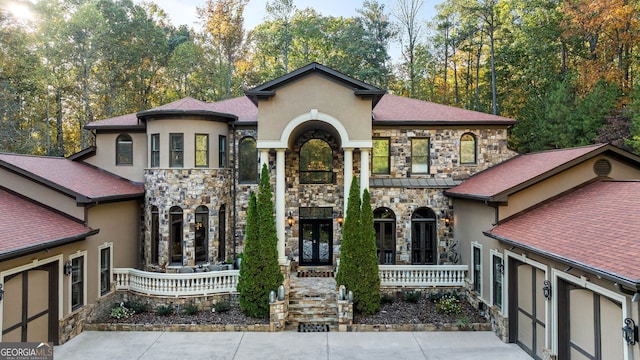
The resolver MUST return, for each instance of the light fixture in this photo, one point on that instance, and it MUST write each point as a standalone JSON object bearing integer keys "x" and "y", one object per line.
{"x": 290, "y": 220}
{"x": 340, "y": 220}
{"x": 630, "y": 331}
{"x": 546, "y": 289}
{"x": 1, "y": 293}
{"x": 68, "y": 268}
{"x": 447, "y": 221}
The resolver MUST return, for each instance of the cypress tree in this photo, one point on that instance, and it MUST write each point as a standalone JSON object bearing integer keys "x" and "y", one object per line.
{"x": 367, "y": 299}
{"x": 348, "y": 274}
{"x": 260, "y": 272}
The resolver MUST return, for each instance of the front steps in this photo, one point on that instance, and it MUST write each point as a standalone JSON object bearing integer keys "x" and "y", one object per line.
{"x": 312, "y": 302}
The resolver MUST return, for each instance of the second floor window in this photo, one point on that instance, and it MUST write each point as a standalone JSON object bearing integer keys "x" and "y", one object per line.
{"x": 202, "y": 150}
{"x": 155, "y": 150}
{"x": 176, "y": 154}
{"x": 468, "y": 152}
{"x": 248, "y": 160}
{"x": 316, "y": 162}
{"x": 124, "y": 150}
{"x": 420, "y": 156}
{"x": 380, "y": 156}
{"x": 222, "y": 151}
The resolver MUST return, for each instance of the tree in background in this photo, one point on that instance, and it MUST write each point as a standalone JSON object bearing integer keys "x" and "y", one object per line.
{"x": 358, "y": 270}
{"x": 262, "y": 272}
{"x": 411, "y": 30}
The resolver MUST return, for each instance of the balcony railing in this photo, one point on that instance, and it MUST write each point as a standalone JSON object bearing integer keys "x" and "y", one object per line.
{"x": 418, "y": 276}
{"x": 204, "y": 283}
{"x": 215, "y": 282}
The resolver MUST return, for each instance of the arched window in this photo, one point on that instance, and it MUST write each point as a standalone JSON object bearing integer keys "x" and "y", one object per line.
{"x": 222, "y": 232}
{"x": 468, "y": 149}
{"x": 175, "y": 235}
{"x": 423, "y": 237}
{"x": 202, "y": 234}
{"x": 248, "y": 160}
{"x": 124, "y": 150}
{"x": 155, "y": 234}
{"x": 384, "y": 223}
{"x": 316, "y": 162}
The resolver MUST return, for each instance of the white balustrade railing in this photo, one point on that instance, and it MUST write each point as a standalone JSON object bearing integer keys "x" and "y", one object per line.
{"x": 162, "y": 284}
{"x": 422, "y": 275}
{"x": 215, "y": 282}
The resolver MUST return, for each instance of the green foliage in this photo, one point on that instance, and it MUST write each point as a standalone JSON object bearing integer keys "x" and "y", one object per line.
{"x": 412, "y": 296}
{"x": 164, "y": 310}
{"x": 358, "y": 270}
{"x": 387, "y": 298}
{"x": 221, "y": 306}
{"x": 260, "y": 272}
{"x": 191, "y": 309}
{"x": 120, "y": 311}
{"x": 137, "y": 307}
{"x": 448, "y": 304}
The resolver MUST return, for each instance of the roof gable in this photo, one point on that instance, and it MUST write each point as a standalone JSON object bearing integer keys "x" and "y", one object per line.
{"x": 596, "y": 227}
{"x": 360, "y": 88}
{"x": 502, "y": 180}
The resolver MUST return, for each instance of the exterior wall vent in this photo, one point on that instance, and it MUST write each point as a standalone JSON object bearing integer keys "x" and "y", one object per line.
{"x": 602, "y": 167}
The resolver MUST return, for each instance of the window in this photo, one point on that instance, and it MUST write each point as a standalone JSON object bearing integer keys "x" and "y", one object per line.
{"x": 420, "y": 156}
{"x": 202, "y": 234}
{"x": 155, "y": 150}
{"x": 498, "y": 270}
{"x": 384, "y": 223}
{"x": 423, "y": 237}
{"x": 468, "y": 152}
{"x": 77, "y": 282}
{"x": 175, "y": 235}
{"x": 477, "y": 268}
{"x": 124, "y": 150}
{"x": 202, "y": 150}
{"x": 222, "y": 232}
{"x": 380, "y": 157}
{"x": 316, "y": 162}
{"x": 155, "y": 234}
{"x": 105, "y": 269}
{"x": 248, "y": 161}
{"x": 222, "y": 151}
{"x": 176, "y": 155}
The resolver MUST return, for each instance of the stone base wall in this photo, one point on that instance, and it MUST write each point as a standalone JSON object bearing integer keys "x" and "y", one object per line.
{"x": 499, "y": 322}
{"x": 76, "y": 322}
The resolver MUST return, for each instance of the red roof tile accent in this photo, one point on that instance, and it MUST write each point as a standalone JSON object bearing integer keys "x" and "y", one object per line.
{"x": 399, "y": 108}
{"x": 77, "y": 178}
{"x": 24, "y": 225}
{"x": 517, "y": 171}
{"x": 597, "y": 225}
{"x": 242, "y": 107}
{"x": 118, "y": 121}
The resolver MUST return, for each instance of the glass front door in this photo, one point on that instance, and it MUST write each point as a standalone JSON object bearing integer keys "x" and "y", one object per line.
{"x": 316, "y": 241}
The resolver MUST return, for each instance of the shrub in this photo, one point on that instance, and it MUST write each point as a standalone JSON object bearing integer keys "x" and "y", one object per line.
{"x": 191, "y": 309}
{"x": 221, "y": 306}
{"x": 164, "y": 310}
{"x": 387, "y": 298}
{"x": 448, "y": 305}
{"x": 412, "y": 296}
{"x": 435, "y": 296}
{"x": 121, "y": 312}
{"x": 137, "y": 307}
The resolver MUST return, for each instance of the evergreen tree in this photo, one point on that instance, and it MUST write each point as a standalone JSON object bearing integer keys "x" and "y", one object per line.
{"x": 260, "y": 272}
{"x": 368, "y": 288}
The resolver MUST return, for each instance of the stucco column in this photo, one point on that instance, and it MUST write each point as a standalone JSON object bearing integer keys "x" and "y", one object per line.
{"x": 348, "y": 176}
{"x": 280, "y": 211}
{"x": 364, "y": 170}
{"x": 264, "y": 159}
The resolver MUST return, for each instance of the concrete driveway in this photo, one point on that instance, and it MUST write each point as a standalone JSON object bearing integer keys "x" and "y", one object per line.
{"x": 113, "y": 345}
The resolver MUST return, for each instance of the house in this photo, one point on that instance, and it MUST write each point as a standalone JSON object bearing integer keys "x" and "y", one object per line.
{"x": 552, "y": 239}
{"x": 167, "y": 188}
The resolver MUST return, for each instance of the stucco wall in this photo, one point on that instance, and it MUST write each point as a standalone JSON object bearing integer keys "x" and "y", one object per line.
{"x": 105, "y": 156}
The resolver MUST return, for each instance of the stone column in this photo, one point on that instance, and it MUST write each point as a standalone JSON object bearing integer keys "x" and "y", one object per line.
{"x": 280, "y": 206}
{"x": 364, "y": 169}
{"x": 348, "y": 176}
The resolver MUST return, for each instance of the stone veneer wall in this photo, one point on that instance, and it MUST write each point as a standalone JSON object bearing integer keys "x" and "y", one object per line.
{"x": 187, "y": 189}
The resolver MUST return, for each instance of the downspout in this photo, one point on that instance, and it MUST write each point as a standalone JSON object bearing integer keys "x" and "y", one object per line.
{"x": 233, "y": 187}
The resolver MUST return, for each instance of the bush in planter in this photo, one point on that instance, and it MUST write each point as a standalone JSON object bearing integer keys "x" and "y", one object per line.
{"x": 137, "y": 307}
{"x": 221, "y": 306}
{"x": 164, "y": 310}
{"x": 191, "y": 309}
{"x": 448, "y": 304}
{"x": 121, "y": 312}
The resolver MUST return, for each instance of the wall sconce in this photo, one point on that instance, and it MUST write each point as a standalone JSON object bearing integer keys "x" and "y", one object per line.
{"x": 290, "y": 220}
{"x": 68, "y": 268}
{"x": 630, "y": 331}
{"x": 1, "y": 293}
{"x": 546, "y": 289}
{"x": 340, "y": 220}
{"x": 447, "y": 222}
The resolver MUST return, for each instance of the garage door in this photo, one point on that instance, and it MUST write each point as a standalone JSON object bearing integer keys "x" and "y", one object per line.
{"x": 29, "y": 310}
{"x": 527, "y": 308}
{"x": 589, "y": 325}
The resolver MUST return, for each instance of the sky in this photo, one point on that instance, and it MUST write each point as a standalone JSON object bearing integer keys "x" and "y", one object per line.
{"x": 184, "y": 11}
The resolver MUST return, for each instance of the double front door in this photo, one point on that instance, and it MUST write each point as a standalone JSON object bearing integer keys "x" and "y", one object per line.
{"x": 316, "y": 241}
